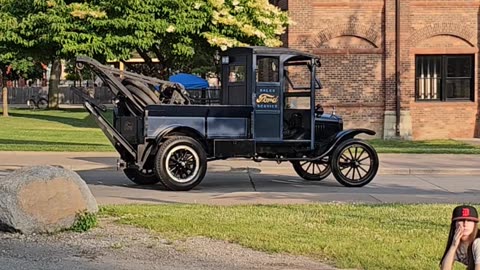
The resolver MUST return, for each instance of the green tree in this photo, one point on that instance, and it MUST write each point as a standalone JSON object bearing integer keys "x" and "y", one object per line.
{"x": 49, "y": 31}
{"x": 181, "y": 34}
{"x": 12, "y": 67}
{"x": 184, "y": 34}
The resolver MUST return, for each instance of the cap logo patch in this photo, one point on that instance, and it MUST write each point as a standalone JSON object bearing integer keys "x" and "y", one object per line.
{"x": 465, "y": 212}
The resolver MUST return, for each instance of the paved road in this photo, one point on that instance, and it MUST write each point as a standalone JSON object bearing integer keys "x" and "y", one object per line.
{"x": 252, "y": 187}
{"x": 402, "y": 178}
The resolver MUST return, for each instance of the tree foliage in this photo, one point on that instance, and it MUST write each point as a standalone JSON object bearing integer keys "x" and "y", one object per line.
{"x": 181, "y": 34}
{"x": 48, "y": 31}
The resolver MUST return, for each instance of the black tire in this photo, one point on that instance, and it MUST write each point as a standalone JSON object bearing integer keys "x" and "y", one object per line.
{"x": 42, "y": 104}
{"x": 140, "y": 96}
{"x": 31, "y": 104}
{"x": 181, "y": 163}
{"x": 141, "y": 178}
{"x": 312, "y": 171}
{"x": 150, "y": 93}
{"x": 346, "y": 163}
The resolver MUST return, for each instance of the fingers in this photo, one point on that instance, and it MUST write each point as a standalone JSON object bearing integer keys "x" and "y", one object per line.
{"x": 458, "y": 231}
{"x": 458, "y": 235}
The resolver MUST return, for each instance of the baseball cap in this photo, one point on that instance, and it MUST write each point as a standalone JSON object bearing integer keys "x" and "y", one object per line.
{"x": 465, "y": 212}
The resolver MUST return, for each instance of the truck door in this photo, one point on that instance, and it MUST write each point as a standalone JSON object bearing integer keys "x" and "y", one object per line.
{"x": 267, "y": 100}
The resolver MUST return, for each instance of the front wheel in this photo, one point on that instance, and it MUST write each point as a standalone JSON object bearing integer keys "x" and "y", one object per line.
{"x": 42, "y": 104}
{"x": 181, "y": 163}
{"x": 354, "y": 163}
{"x": 312, "y": 170}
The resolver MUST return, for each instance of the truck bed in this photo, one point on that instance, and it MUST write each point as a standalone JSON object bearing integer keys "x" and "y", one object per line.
{"x": 217, "y": 121}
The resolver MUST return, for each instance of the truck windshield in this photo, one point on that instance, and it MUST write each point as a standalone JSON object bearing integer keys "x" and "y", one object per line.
{"x": 297, "y": 75}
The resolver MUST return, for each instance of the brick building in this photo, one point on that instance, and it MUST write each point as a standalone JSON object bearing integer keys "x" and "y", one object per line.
{"x": 437, "y": 52}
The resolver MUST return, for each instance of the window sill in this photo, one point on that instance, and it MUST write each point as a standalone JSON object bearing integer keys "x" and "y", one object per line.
{"x": 446, "y": 103}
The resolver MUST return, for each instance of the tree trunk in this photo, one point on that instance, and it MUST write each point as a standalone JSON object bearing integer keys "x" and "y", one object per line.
{"x": 54, "y": 81}
{"x": 5, "y": 101}
{"x": 3, "y": 85}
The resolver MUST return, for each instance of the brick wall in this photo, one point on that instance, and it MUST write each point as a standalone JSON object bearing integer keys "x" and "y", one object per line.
{"x": 438, "y": 27}
{"x": 356, "y": 41}
{"x": 348, "y": 37}
{"x": 443, "y": 120}
{"x": 353, "y": 83}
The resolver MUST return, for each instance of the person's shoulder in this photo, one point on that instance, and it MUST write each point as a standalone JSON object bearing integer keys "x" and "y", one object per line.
{"x": 476, "y": 243}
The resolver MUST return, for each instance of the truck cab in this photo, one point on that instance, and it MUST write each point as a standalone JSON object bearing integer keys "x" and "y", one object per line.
{"x": 281, "y": 85}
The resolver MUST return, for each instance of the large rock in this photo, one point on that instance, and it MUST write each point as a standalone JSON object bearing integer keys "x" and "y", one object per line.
{"x": 43, "y": 199}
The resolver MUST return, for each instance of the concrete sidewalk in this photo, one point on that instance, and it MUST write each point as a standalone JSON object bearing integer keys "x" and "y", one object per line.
{"x": 398, "y": 164}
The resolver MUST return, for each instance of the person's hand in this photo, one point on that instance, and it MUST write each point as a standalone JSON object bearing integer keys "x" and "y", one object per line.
{"x": 458, "y": 235}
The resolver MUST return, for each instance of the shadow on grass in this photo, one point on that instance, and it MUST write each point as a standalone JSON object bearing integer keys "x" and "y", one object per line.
{"x": 71, "y": 117}
{"x": 47, "y": 143}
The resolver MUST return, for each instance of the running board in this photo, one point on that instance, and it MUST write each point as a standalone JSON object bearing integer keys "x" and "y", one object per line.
{"x": 112, "y": 134}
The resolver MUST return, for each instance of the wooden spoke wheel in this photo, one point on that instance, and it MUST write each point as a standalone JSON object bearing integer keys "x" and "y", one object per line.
{"x": 354, "y": 163}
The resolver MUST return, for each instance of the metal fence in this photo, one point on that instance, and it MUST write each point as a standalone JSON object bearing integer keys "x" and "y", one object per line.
{"x": 101, "y": 94}
{"x": 205, "y": 96}
{"x": 65, "y": 96}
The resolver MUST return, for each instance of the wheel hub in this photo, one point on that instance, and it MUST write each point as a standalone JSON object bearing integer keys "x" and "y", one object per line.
{"x": 182, "y": 163}
{"x": 355, "y": 164}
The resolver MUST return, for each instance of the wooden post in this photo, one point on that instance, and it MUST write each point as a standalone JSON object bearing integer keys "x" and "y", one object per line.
{"x": 5, "y": 101}
{"x": 122, "y": 68}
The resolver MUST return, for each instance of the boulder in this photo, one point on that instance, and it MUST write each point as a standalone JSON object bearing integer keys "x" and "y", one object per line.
{"x": 43, "y": 199}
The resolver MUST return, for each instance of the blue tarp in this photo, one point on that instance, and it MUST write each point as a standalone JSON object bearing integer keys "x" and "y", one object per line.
{"x": 189, "y": 81}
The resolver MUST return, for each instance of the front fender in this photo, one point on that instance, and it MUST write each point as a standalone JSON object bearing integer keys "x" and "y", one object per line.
{"x": 343, "y": 136}
{"x": 351, "y": 133}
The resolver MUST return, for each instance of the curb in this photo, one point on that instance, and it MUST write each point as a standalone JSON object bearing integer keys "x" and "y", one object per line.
{"x": 279, "y": 170}
{"x": 427, "y": 171}
{"x": 381, "y": 171}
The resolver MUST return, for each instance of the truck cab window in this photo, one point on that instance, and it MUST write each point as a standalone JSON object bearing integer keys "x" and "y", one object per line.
{"x": 237, "y": 74}
{"x": 267, "y": 69}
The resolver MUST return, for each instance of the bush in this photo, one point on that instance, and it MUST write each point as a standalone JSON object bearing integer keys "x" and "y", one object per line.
{"x": 84, "y": 222}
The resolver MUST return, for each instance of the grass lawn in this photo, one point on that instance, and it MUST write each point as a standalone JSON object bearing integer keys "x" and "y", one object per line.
{"x": 347, "y": 236}
{"x": 75, "y": 130}
{"x": 51, "y": 130}
{"x": 424, "y": 147}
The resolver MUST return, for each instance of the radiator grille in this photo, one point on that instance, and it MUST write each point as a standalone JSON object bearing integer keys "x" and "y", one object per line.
{"x": 324, "y": 130}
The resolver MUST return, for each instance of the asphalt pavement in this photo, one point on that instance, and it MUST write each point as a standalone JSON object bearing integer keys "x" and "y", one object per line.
{"x": 402, "y": 178}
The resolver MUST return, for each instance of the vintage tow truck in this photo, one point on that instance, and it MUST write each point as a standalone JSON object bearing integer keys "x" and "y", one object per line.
{"x": 267, "y": 112}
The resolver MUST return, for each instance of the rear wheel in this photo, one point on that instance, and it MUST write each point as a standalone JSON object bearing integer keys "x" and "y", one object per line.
{"x": 31, "y": 104}
{"x": 354, "y": 163}
{"x": 181, "y": 163}
{"x": 312, "y": 170}
{"x": 142, "y": 177}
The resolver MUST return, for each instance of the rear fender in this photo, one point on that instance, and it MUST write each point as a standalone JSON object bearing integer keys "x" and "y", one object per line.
{"x": 178, "y": 130}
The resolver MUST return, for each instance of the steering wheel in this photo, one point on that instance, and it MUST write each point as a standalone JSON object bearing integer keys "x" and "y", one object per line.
{"x": 319, "y": 109}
